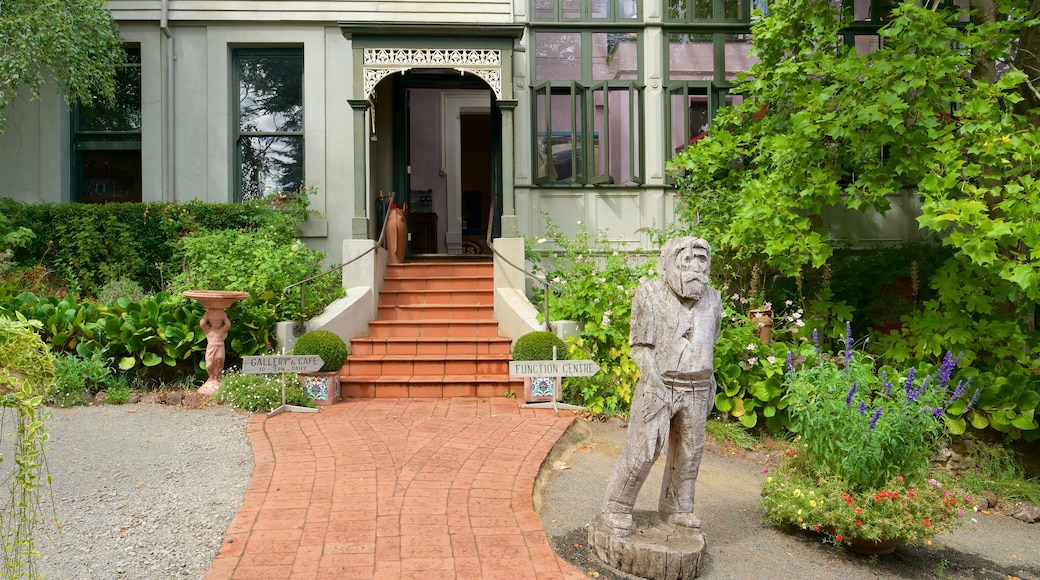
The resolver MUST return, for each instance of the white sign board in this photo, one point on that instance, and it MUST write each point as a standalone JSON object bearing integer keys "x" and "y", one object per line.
{"x": 269, "y": 365}
{"x": 552, "y": 368}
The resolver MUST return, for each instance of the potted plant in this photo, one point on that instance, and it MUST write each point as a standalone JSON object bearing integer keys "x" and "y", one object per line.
{"x": 323, "y": 385}
{"x": 859, "y": 469}
{"x": 539, "y": 345}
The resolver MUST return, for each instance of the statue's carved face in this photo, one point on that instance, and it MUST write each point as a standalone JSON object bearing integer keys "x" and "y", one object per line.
{"x": 686, "y": 265}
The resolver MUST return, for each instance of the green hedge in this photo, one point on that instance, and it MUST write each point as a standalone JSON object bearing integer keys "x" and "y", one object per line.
{"x": 90, "y": 245}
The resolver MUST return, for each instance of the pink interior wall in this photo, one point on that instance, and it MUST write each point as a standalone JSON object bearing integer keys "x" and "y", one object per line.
{"x": 425, "y": 154}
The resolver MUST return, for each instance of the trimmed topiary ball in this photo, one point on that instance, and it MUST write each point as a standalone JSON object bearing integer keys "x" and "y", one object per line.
{"x": 326, "y": 344}
{"x": 539, "y": 346}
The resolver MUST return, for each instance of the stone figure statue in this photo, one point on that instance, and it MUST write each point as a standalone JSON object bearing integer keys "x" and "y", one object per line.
{"x": 216, "y": 324}
{"x": 675, "y": 322}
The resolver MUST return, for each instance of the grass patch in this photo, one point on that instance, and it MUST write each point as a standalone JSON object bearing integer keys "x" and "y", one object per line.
{"x": 730, "y": 432}
{"x": 1001, "y": 470}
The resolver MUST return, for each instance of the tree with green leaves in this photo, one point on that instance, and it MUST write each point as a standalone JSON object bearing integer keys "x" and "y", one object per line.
{"x": 946, "y": 110}
{"x": 72, "y": 42}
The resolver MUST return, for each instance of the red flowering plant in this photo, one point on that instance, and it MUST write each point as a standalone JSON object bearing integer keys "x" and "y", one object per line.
{"x": 859, "y": 467}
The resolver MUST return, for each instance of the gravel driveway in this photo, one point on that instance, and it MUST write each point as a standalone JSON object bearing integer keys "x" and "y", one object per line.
{"x": 141, "y": 491}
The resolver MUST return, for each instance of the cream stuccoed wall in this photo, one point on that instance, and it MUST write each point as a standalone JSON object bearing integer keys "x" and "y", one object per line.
{"x": 204, "y": 117}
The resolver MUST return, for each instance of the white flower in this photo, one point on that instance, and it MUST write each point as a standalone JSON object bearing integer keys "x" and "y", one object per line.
{"x": 751, "y": 346}
{"x": 579, "y": 222}
{"x": 788, "y": 302}
{"x": 751, "y": 361}
{"x": 541, "y": 241}
{"x": 800, "y": 323}
{"x": 771, "y": 359}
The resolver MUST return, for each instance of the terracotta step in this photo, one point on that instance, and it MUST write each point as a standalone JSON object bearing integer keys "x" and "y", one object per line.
{"x": 425, "y": 283}
{"x": 432, "y": 346}
{"x": 440, "y": 297}
{"x": 437, "y": 312}
{"x": 435, "y": 336}
{"x": 426, "y": 365}
{"x": 367, "y": 387}
{"x": 433, "y": 328}
{"x": 439, "y": 269}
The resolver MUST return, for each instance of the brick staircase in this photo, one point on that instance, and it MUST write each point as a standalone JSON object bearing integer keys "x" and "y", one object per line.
{"x": 435, "y": 336}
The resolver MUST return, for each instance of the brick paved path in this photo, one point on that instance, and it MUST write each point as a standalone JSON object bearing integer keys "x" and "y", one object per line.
{"x": 396, "y": 488}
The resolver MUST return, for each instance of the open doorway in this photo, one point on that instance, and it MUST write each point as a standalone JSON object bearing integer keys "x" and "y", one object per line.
{"x": 448, "y": 164}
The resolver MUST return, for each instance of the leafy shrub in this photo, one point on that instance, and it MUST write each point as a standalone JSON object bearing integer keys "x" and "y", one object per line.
{"x": 118, "y": 390}
{"x": 262, "y": 263}
{"x": 120, "y": 288}
{"x": 596, "y": 279}
{"x": 77, "y": 378}
{"x": 260, "y": 393}
{"x": 26, "y": 372}
{"x": 91, "y": 245}
{"x": 326, "y": 344}
{"x": 539, "y": 346}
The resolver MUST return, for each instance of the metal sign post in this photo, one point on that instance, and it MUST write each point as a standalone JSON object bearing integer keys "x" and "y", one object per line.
{"x": 553, "y": 368}
{"x": 273, "y": 364}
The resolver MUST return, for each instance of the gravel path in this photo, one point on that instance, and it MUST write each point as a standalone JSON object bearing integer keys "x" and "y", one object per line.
{"x": 140, "y": 491}
{"x": 740, "y": 545}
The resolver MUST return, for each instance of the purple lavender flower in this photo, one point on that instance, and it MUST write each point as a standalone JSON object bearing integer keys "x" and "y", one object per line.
{"x": 790, "y": 362}
{"x": 816, "y": 340}
{"x": 946, "y": 368}
{"x": 877, "y": 415}
{"x": 848, "y": 343}
{"x": 908, "y": 386}
{"x": 886, "y": 385}
{"x": 852, "y": 393}
{"x": 938, "y": 412}
{"x": 862, "y": 407}
{"x": 971, "y": 403}
{"x": 958, "y": 391}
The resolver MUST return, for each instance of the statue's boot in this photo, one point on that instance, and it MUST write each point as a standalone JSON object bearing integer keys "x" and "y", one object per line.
{"x": 620, "y": 524}
{"x": 684, "y": 519}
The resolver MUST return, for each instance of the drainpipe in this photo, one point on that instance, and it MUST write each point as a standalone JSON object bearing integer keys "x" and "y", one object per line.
{"x": 169, "y": 178}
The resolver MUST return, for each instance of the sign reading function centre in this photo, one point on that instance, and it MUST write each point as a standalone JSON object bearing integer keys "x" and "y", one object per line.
{"x": 553, "y": 368}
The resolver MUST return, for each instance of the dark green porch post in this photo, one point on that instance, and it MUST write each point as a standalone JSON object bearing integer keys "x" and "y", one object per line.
{"x": 509, "y": 225}
{"x": 359, "y": 225}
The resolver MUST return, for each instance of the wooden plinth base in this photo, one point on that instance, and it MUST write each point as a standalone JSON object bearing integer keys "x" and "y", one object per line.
{"x": 656, "y": 550}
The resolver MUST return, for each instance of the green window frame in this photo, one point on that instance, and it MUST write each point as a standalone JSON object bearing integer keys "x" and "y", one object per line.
{"x": 588, "y": 108}
{"x": 710, "y": 11}
{"x": 106, "y": 141}
{"x": 267, "y": 121}
{"x": 586, "y": 10}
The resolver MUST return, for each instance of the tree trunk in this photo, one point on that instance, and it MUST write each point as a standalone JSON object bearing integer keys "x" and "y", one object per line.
{"x": 984, "y": 12}
{"x": 1027, "y": 60}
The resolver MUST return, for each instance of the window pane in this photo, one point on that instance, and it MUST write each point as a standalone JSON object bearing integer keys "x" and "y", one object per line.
{"x": 558, "y": 56}
{"x": 866, "y": 43}
{"x": 691, "y": 57}
{"x": 702, "y": 9}
{"x": 270, "y": 165}
{"x": 559, "y": 149}
{"x": 615, "y": 56}
{"x": 543, "y": 9}
{"x": 270, "y": 93}
{"x": 738, "y": 55}
{"x": 110, "y": 176}
{"x": 734, "y": 10}
{"x": 690, "y": 116}
{"x": 571, "y": 9}
{"x": 600, "y": 8}
{"x": 615, "y": 131}
{"x": 628, "y": 9}
{"x": 125, "y": 113}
